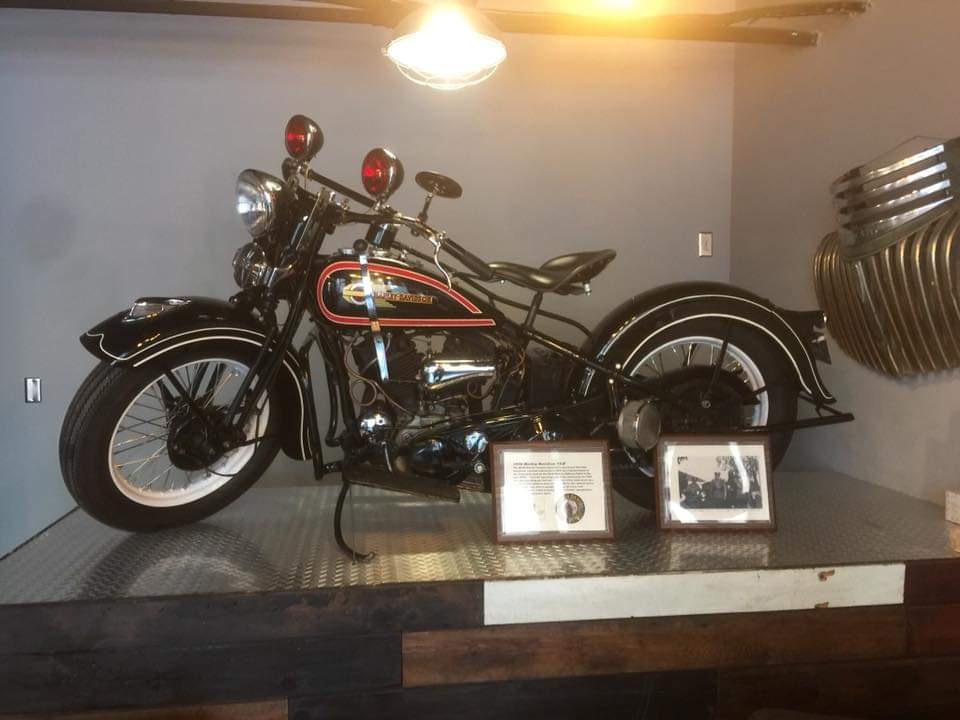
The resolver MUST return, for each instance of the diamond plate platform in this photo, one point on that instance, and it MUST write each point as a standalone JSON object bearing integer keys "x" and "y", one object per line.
{"x": 282, "y": 539}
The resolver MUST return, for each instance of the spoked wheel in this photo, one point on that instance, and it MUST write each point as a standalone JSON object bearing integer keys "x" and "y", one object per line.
{"x": 754, "y": 386}
{"x": 146, "y": 448}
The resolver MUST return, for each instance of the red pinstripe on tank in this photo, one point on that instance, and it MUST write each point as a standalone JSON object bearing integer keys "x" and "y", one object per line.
{"x": 405, "y": 322}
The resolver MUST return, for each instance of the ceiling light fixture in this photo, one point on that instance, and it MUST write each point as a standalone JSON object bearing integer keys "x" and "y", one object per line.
{"x": 446, "y": 46}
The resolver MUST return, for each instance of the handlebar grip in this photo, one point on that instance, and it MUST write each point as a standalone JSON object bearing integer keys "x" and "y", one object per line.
{"x": 470, "y": 260}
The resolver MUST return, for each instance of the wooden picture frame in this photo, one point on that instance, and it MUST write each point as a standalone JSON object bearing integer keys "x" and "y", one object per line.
{"x": 686, "y": 500}
{"x": 527, "y": 504}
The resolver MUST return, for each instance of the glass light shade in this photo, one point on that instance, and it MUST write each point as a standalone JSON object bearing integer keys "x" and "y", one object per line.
{"x": 446, "y": 47}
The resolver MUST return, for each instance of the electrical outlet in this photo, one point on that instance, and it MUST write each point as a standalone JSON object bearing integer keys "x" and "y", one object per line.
{"x": 705, "y": 244}
{"x": 32, "y": 392}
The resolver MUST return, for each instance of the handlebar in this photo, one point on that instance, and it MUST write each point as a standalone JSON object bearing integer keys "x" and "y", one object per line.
{"x": 470, "y": 260}
{"x": 419, "y": 227}
{"x": 290, "y": 167}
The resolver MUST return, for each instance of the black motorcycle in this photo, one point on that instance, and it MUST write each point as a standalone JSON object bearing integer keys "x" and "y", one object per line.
{"x": 194, "y": 396}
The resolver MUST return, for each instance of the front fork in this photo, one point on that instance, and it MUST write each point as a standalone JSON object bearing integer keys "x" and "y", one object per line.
{"x": 296, "y": 261}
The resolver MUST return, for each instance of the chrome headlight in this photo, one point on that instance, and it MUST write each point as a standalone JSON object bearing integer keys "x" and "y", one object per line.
{"x": 258, "y": 195}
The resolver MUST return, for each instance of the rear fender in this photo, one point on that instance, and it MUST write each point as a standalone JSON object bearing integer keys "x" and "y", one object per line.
{"x": 186, "y": 321}
{"x": 798, "y": 335}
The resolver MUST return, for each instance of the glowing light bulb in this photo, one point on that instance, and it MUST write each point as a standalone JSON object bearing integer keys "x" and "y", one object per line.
{"x": 446, "y": 47}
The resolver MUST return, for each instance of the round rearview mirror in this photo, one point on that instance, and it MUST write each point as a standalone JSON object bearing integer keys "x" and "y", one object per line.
{"x": 439, "y": 185}
{"x": 302, "y": 138}
{"x": 382, "y": 173}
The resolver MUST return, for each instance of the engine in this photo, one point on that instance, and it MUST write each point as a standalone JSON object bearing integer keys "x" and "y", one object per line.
{"x": 419, "y": 416}
{"x": 434, "y": 377}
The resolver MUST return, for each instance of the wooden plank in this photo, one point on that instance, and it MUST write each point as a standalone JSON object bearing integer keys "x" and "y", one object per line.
{"x": 676, "y": 27}
{"x": 142, "y": 677}
{"x": 932, "y": 582}
{"x": 652, "y": 644}
{"x": 266, "y": 710}
{"x": 388, "y": 14}
{"x": 933, "y": 630}
{"x": 695, "y": 593}
{"x": 917, "y": 689}
{"x": 213, "y": 619}
{"x": 665, "y": 696}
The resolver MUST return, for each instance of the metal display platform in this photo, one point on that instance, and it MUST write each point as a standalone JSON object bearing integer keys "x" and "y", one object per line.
{"x": 274, "y": 540}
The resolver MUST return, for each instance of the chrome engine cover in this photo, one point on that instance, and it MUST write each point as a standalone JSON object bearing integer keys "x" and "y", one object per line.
{"x": 438, "y": 373}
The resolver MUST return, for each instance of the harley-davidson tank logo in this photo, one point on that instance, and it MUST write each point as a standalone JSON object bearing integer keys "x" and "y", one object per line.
{"x": 392, "y": 285}
{"x": 383, "y": 295}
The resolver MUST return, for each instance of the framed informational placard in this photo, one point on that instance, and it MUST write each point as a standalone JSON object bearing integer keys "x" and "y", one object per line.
{"x": 548, "y": 491}
{"x": 714, "y": 482}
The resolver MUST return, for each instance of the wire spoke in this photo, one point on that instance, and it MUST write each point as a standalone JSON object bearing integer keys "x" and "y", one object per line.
{"x": 227, "y": 377}
{"x": 149, "y": 459}
{"x": 140, "y": 443}
{"x": 157, "y": 477}
{"x": 139, "y": 402}
{"x": 143, "y": 422}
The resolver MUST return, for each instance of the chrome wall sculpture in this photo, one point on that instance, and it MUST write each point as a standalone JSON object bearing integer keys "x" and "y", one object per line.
{"x": 888, "y": 279}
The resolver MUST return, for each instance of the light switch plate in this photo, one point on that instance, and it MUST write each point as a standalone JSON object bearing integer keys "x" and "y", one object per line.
{"x": 705, "y": 244}
{"x": 32, "y": 391}
{"x": 953, "y": 506}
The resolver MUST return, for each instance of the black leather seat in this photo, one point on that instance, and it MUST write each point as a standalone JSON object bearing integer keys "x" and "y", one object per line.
{"x": 561, "y": 275}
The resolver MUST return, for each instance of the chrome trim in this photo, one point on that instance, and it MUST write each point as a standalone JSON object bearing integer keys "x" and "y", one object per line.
{"x": 440, "y": 373}
{"x": 880, "y": 202}
{"x": 144, "y": 309}
{"x": 371, "y": 302}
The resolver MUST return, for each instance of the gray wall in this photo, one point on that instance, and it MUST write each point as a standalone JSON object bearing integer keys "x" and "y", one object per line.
{"x": 122, "y": 135}
{"x": 802, "y": 119}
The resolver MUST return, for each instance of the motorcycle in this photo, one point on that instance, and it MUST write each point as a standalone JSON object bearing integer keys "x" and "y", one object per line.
{"x": 193, "y": 397}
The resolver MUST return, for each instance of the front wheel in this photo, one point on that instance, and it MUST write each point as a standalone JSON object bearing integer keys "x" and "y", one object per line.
{"x": 143, "y": 448}
{"x": 756, "y": 386}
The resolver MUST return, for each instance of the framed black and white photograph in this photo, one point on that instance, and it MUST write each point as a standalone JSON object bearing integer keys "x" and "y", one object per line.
{"x": 714, "y": 482}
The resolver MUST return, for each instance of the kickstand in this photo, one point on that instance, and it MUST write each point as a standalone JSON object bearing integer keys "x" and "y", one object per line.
{"x": 338, "y": 528}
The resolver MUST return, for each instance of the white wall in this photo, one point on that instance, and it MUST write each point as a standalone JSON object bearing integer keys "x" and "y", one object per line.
{"x": 802, "y": 119}
{"x": 122, "y": 135}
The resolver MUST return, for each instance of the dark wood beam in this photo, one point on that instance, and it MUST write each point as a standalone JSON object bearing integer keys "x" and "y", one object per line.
{"x": 382, "y": 17}
{"x": 722, "y": 27}
{"x": 676, "y": 27}
{"x": 793, "y": 10}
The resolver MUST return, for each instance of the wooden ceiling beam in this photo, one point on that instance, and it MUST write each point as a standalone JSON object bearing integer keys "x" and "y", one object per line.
{"x": 721, "y": 27}
{"x": 796, "y": 9}
{"x": 217, "y": 9}
{"x": 676, "y": 27}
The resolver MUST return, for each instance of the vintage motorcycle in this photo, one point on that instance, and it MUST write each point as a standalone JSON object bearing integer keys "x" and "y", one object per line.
{"x": 194, "y": 396}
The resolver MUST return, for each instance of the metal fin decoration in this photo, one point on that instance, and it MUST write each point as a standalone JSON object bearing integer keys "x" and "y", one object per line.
{"x": 888, "y": 278}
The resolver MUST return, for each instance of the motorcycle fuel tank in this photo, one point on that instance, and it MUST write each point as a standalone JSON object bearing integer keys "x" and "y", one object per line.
{"x": 405, "y": 296}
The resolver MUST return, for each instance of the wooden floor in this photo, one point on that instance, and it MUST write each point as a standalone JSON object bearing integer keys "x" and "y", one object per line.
{"x": 422, "y": 651}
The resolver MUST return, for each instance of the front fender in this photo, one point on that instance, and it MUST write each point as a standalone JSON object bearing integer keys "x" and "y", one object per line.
{"x": 798, "y": 335}
{"x": 184, "y": 321}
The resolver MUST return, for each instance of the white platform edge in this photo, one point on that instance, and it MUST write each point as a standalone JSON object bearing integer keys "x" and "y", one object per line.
{"x": 508, "y": 602}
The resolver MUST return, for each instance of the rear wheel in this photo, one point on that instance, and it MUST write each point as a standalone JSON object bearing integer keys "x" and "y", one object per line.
{"x": 138, "y": 455}
{"x": 756, "y": 386}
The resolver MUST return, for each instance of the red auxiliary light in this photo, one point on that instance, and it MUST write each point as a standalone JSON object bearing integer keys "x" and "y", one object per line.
{"x": 382, "y": 173}
{"x": 295, "y": 139}
{"x": 302, "y": 138}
